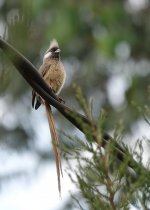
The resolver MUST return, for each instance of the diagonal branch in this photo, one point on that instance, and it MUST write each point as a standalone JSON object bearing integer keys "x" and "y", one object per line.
{"x": 30, "y": 74}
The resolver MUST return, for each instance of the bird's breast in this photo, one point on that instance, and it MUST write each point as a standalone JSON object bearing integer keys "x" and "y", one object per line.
{"x": 55, "y": 76}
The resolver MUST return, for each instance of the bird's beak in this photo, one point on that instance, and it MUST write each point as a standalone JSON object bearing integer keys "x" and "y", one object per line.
{"x": 57, "y": 51}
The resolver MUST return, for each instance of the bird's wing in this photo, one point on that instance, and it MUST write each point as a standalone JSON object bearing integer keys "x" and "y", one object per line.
{"x": 36, "y": 99}
{"x": 44, "y": 69}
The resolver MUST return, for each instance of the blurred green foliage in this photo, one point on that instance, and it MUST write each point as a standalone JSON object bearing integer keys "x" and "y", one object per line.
{"x": 103, "y": 180}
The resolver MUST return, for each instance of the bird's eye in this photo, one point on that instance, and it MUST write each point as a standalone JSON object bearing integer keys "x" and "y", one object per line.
{"x": 53, "y": 49}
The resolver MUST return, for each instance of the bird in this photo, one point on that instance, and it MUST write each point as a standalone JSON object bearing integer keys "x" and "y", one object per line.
{"x": 53, "y": 72}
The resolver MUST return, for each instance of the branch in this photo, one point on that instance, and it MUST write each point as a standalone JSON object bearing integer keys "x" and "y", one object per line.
{"x": 30, "y": 74}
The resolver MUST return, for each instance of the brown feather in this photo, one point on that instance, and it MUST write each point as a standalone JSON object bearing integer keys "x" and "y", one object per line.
{"x": 33, "y": 98}
{"x": 55, "y": 143}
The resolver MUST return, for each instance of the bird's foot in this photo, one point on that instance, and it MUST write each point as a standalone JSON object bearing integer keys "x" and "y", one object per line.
{"x": 61, "y": 100}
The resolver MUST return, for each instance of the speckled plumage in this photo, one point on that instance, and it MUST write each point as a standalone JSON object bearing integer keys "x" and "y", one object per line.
{"x": 53, "y": 72}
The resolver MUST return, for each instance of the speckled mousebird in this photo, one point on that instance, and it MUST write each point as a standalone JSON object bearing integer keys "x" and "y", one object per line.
{"x": 53, "y": 72}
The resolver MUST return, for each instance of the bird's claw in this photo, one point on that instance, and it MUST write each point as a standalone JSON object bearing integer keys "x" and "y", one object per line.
{"x": 61, "y": 100}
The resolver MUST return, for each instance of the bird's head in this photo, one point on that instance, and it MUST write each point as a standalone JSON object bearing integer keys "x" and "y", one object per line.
{"x": 53, "y": 50}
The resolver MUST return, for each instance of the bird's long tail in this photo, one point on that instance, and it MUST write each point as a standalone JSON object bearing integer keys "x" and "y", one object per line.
{"x": 55, "y": 143}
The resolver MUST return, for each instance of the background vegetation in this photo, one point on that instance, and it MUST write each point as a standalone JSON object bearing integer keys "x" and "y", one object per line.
{"x": 105, "y": 50}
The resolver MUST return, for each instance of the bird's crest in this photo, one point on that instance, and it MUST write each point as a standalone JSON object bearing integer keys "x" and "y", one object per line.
{"x": 53, "y": 43}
